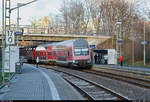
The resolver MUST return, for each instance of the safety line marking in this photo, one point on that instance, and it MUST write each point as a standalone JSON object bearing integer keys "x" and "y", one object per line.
{"x": 55, "y": 95}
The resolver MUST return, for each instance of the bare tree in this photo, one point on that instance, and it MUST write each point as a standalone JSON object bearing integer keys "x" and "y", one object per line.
{"x": 87, "y": 17}
{"x": 74, "y": 13}
{"x": 65, "y": 12}
{"x": 95, "y": 13}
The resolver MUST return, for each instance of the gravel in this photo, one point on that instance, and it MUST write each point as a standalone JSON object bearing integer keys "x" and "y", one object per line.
{"x": 131, "y": 91}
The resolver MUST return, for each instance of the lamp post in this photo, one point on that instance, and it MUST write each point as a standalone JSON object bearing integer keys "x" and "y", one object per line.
{"x": 6, "y": 11}
{"x": 133, "y": 39}
{"x": 18, "y": 20}
{"x": 18, "y": 6}
{"x": 144, "y": 46}
{"x": 119, "y": 41}
{"x": 117, "y": 37}
{"x": 3, "y": 42}
{"x": 133, "y": 50}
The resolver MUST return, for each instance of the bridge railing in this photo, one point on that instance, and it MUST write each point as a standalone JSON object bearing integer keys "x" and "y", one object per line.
{"x": 55, "y": 30}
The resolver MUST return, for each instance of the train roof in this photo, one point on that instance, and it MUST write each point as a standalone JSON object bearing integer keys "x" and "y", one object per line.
{"x": 39, "y": 48}
{"x": 49, "y": 44}
{"x": 76, "y": 42}
{"x": 80, "y": 43}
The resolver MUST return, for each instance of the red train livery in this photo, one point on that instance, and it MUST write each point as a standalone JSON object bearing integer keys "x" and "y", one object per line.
{"x": 74, "y": 53}
{"x": 46, "y": 53}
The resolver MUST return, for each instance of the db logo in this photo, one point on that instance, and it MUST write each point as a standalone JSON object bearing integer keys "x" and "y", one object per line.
{"x": 10, "y": 38}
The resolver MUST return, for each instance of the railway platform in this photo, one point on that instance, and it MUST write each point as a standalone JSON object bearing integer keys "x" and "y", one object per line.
{"x": 133, "y": 68}
{"x": 38, "y": 84}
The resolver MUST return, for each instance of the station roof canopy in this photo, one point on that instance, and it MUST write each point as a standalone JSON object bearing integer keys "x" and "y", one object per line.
{"x": 102, "y": 51}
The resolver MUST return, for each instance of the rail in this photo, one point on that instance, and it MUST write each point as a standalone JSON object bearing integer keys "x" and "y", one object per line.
{"x": 91, "y": 89}
{"x": 145, "y": 83}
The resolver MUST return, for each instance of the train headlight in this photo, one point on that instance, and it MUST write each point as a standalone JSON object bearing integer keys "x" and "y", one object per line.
{"x": 88, "y": 61}
{"x": 75, "y": 61}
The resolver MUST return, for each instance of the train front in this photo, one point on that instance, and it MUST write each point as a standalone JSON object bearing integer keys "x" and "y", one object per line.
{"x": 82, "y": 55}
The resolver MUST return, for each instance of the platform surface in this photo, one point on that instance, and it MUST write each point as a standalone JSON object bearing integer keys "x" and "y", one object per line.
{"x": 144, "y": 69}
{"x": 38, "y": 84}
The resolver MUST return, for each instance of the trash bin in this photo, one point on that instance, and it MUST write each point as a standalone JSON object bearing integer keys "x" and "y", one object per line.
{"x": 18, "y": 68}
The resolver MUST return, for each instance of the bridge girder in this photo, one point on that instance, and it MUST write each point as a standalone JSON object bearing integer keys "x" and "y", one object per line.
{"x": 47, "y": 38}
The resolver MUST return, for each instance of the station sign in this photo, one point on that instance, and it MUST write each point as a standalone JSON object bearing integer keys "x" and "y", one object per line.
{"x": 143, "y": 42}
{"x": 92, "y": 46}
{"x": 120, "y": 41}
{"x": 11, "y": 57}
{"x": 10, "y": 37}
{"x": 18, "y": 33}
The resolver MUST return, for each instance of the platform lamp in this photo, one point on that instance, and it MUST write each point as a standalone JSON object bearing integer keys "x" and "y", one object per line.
{"x": 18, "y": 18}
{"x": 4, "y": 2}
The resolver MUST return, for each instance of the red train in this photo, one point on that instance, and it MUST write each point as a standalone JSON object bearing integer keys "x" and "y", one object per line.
{"x": 73, "y": 53}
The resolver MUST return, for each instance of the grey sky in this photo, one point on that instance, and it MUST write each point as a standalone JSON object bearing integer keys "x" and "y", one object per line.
{"x": 37, "y": 9}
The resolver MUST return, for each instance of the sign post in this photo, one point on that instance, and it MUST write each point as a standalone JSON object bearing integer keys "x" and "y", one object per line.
{"x": 10, "y": 38}
{"x": 120, "y": 42}
{"x": 133, "y": 39}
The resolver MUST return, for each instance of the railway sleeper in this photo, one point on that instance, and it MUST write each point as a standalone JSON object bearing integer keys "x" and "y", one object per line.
{"x": 89, "y": 86}
{"x": 102, "y": 96}
{"x": 108, "y": 98}
{"x": 82, "y": 83}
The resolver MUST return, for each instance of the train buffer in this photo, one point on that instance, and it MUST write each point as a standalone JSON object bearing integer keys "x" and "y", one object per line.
{"x": 38, "y": 84}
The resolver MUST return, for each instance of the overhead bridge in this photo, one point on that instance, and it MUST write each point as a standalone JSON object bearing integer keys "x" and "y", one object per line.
{"x": 35, "y": 39}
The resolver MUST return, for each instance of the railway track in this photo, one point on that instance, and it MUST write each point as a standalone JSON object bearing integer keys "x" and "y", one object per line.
{"x": 141, "y": 82}
{"x": 144, "y": 74}
{"x": 89, "y": 89}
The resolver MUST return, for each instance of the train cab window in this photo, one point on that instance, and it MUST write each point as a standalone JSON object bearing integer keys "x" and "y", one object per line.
{"x": 85, "y": 51}
{"x": 81, "y": 51}
{"x": 77, "y": 52}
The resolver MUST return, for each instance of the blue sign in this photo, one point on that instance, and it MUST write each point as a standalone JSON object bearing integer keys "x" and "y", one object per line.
{"x": 18, "y": 33}
{"x": 92, "y": 46}
{"x": 144, "y": 42}
{"x": 120, "y": 41}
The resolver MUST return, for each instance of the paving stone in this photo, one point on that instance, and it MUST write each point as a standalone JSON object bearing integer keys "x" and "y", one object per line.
{"x": 32, "y": 85}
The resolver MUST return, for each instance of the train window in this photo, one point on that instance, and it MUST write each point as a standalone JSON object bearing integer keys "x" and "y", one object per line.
{"x": 46, "y": 53}
{"x": 81, "y": 51}
{"x": 68, "y": 53}
{"x": 77, "y": 52}
{"x": 54, "y": 53}
{"x": 85, "y": 51}
{"x": 50, "y": 54}
{"x": 38, "y": 53}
